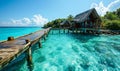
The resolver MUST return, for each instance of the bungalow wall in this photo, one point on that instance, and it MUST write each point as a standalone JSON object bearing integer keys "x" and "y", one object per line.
{"x": 88, "y": 24}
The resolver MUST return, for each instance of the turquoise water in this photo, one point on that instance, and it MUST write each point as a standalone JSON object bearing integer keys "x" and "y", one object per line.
{"x": 16, "y": 32}
{"x": 73, "y": 52}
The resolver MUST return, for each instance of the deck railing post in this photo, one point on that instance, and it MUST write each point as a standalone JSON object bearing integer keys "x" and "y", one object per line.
{"x": 29, "y": 56}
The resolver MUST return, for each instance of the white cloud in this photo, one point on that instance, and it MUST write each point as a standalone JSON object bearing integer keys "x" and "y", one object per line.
{"x": 101, "y": 9}
{"x": 21, "y": 22}
{"x": 113, "y": 3}
{"x": 16, "y": 22}
{"x": 26, "y": 20}
{"x": 5, "y": 23}
{"x": 37, "y": 20}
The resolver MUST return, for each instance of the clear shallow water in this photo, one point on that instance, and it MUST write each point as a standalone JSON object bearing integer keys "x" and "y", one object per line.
{"x": 74, "y": 52}
{"x": 16, "y": 32}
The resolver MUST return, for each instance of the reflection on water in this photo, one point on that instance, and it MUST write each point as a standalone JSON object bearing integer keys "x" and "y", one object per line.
{"x": 74, "y": 52}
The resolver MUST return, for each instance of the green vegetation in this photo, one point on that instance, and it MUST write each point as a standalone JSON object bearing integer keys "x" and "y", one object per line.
{"x": 55, "y": 23}
{"x": 111, "y": 20}
{"x": 113, "y": 25}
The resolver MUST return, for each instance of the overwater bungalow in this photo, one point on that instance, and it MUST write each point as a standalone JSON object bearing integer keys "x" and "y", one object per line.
{"x": 88, "y": 20}
{"x": 65, "y": 24}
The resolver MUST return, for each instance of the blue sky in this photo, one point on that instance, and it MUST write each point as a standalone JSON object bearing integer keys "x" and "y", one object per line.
{"x": 39, "y": 12}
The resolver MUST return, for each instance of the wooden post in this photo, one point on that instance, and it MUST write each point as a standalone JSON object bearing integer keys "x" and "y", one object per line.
{"x": 52, "y": 31}
{"x": 39, "y": 44}
{"x": 44, "y": 35}
{"x": 98, "y": 27}
{"x": 59, "y": 30}
{"x": 64, "y": 30}
{"x": 10, "y": 38}
{"x": 73, "y": 30}
{"x": 68, "y": 31}
{"x": 47, "y": 35}
{"x": 45, "y": 32}
{"x": 85, "y": 26}
{"x": 29, "y": 56}
{"x": 76, "y": 31}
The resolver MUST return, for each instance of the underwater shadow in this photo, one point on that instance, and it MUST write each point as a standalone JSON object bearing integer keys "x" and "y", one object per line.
{"x": 83, "y": 37}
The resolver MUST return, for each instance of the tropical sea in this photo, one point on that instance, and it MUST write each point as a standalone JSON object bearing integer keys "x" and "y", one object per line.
{"x": 5, "y": 32}
{"x": 71, "y": 52}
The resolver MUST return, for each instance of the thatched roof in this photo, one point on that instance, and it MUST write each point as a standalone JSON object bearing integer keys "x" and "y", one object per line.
{"x": 84, "y": 16}
{"x": 65, "y": 22}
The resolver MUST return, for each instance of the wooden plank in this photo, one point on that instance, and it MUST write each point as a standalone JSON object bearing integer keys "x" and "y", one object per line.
{"x": 9, "y": 50}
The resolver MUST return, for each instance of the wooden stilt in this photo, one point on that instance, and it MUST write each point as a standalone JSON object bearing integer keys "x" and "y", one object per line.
{"x": 44, "y": 37}
{"x": 68, "y": 31}
{"x": 29, "y": 56}
{"x": 39, "y": 44}
{"x": 29, "y": 59}
{"x": 59, "y": 30}
{"x": 75, "y": 30}
{"x": 46, "y": 33}
{"x": 52, "y": 31}
{"x": 64, "y": 30}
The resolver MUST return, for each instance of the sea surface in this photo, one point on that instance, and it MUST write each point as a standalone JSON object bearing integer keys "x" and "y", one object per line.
{"x": 72, "y": 52}
{"x": 5, "y": 32}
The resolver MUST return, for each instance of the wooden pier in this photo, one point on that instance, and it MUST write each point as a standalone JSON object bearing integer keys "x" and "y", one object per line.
{"x": 87, "y": 31}
{"x": 12, "y": 48}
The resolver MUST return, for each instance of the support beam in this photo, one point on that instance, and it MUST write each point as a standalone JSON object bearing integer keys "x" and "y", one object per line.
{"x": 68, "y": 31}
{"x": 39, "y": 44}
{"x": 77, "y": 30}
{"x": 29, "y": 56}
{"x": 52, "y": 31}
{"x": 29, "y": 59}
{"x": 44, "y": 35}
{"x": 59, "y": 30}
{"x": 85, "y": 27}
{"x": 64, "y": 30}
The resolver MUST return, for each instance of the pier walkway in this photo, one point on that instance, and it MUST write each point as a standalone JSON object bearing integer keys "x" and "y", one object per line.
{"x": 88, "y": 31}
{"x": 12, "y": 48}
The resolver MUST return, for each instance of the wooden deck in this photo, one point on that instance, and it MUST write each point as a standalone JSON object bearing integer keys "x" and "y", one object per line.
{"x": 9, "y": 50}
{"x": 89, "y": 30}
